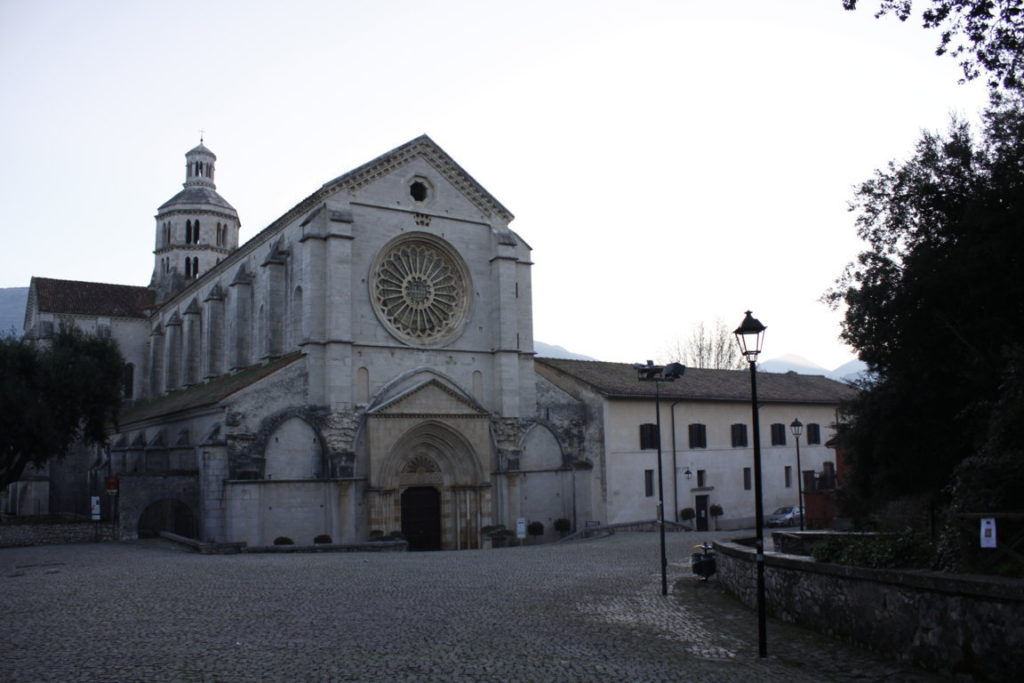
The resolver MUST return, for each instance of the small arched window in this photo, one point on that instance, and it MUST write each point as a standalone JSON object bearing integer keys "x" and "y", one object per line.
{"x": 195, "y": 266}
{"x": 188, "y": 267}
{"x": 128, "y": 376}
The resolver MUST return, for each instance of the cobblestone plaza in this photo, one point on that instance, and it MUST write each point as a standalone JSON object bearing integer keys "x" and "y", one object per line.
{"x": 578, "y": 611}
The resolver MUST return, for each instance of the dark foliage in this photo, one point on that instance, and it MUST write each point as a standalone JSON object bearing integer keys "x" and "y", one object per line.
{"x": 935, "y": 307}
{"x": 886, "y": 551}
{"x": 535, "y": 528}
{"x": 985, "y": 35}
{"x": 52, "y": 395}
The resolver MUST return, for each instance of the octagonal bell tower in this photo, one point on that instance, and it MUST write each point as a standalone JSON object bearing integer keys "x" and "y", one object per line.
{"x": 195, "y": 228}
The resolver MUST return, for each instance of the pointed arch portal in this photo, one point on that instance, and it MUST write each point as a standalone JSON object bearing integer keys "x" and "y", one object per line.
{"x": 432, "y": 486}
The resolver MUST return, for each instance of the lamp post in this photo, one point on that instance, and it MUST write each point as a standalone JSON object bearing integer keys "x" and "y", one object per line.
{"x": 750, "y": 336}
{"x": 797, "y": 428}
{"x": 658, "y": 374}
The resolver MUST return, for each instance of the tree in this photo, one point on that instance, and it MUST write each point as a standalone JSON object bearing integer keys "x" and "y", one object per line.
{"x": 935, "y": 307}
{"x": 54, "y": 394}
{"x": 986, "y": 35}
{"x": 708, "y": 347}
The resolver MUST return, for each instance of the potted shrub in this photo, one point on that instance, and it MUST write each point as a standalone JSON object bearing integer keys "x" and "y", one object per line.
{"x": 687, "y": 514}
{"x": 499, "y": 536}
{"x": 716, "y": 512}
{"x": 535, "y": 529}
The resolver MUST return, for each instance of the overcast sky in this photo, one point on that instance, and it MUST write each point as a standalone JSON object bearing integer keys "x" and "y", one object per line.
{"x": 668, "y": 162}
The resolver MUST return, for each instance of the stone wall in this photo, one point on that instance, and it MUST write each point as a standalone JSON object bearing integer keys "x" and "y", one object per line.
{"x": 53, "y": 533}
{"x": 952, "y": 624}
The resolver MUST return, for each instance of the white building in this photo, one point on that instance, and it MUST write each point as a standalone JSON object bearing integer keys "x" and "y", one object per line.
{"x": 707, "y": 449}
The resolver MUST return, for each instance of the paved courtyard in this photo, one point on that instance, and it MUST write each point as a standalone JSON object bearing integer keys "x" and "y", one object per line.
{"x": 579, "y": 611}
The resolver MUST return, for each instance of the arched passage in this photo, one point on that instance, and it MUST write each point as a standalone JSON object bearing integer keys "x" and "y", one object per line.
{"x": 168, "y": 514}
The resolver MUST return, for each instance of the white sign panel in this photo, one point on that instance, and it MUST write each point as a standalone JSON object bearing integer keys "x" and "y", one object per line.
{"x": 988, "y": 532}
{"x": 95, "y": 508}
{"x": 521, "y": 528}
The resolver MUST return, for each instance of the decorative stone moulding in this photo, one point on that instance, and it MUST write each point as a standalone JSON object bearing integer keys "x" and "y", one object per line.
{"x": 419, "y": 287}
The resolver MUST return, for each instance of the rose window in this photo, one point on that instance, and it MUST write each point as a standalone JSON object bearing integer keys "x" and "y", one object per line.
{"x": 419, "y": 291}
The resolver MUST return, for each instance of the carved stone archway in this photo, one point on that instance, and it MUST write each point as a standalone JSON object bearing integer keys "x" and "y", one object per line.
{"x": 433, "y": 455}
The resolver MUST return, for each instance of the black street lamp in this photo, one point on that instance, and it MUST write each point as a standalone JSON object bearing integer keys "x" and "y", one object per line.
{"x": 750, "y": 336}
{"x": 797, "y": 428}
{"x": 658, "y": 374}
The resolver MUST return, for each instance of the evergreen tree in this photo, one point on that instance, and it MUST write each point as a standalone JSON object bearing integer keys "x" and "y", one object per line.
{"x": 935, "y": 307}
{"x": 54, "y": 394}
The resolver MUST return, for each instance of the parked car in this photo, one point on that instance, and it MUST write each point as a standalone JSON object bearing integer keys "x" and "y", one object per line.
{"x": 787, "y": 515}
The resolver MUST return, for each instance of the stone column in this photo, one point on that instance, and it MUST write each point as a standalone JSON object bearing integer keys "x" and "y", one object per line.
{"x": 156, "y": 361}
{"x": 192, "y": 327}
{"x": 172, "y": 354}
{"x": 213, "y": 334}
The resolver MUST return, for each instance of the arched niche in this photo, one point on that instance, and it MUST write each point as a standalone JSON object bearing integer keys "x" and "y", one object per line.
{"x": 541, "y": 450}
{"x": 293, "y": 451}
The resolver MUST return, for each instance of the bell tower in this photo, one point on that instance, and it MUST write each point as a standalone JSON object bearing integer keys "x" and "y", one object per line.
{"x": 195, "y": 228}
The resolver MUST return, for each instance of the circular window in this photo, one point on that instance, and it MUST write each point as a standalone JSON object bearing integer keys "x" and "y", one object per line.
{"x": 418, "y": 191}
{"x": 418, "y": 287}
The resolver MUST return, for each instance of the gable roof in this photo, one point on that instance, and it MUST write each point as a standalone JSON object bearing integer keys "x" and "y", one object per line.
{"x": 619, "y": 380}
{"x": 425, "y": 148}
{"x": 429, "y": 397}
{"x": 203, "y": 395}
{"x": 91, "y": 298}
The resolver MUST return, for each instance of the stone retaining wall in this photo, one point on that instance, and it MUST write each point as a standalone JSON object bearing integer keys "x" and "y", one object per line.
{"x": 55, "y": 533}
{"x": 949, "y": 623}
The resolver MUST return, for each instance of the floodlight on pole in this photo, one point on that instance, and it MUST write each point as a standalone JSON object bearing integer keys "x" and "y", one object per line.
{"x": 650, "y": 372}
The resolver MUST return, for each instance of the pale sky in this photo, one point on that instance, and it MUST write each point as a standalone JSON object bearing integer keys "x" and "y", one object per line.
{"x": 668, "y": 162}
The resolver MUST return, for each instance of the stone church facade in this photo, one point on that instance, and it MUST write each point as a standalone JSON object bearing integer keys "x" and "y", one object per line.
{"x": 363, "y": 363}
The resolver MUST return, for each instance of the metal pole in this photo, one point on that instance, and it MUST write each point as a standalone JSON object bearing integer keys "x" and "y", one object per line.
{"x": 762, "y": 634}
{"x": 799, "y": 482}
{"x": 661, "y": 494}
{"x": 675, "y": 467}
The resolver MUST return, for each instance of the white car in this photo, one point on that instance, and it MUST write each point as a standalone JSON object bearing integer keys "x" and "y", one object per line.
{"x": 787, "y": 515}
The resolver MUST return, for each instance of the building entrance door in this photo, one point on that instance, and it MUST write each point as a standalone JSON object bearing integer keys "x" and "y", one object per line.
{"x": 421, "y": 517}
{"x": 702, "y": 513}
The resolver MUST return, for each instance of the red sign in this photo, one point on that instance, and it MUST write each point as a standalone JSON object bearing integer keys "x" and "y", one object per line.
{"x": 112, "y": 485}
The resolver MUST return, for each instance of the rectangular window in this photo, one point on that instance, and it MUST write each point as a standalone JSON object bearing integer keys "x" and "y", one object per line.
{"x": 739, "y": 436}
{"x": 813, "y": 434}
{"x": 746, "y": 478}
{"x": 701, "y": 479}
{"x": 789, "y": 477}
{"x": 698, "y": 436}
{"x": 778, "y": 434}
{"x": 648, "y": 436}
{"x": 648, "y": 483}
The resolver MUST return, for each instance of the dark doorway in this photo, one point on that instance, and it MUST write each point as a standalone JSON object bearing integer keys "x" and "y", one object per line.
{"x": 702, "y": 513}
{"x": 168, "y": 515}
{"x": 421, "y": 517}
